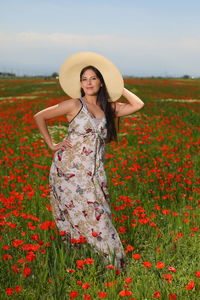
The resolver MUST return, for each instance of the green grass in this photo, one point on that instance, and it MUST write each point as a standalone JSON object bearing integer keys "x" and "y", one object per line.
{"x": 153, "y": 177}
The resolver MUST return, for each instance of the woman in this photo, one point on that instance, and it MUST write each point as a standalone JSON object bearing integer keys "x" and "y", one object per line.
{"x": 78, "y": 184}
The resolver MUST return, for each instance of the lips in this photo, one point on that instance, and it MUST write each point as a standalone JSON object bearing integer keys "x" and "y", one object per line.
{"x": 89, "y": 87}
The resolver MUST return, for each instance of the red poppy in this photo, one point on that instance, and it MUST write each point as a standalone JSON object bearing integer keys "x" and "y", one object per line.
{"x": 87, "y": 297}
{"x": 27, "y": 272}
{"x": 17, "y": 243}
{"x": 6, "y": 247}
{"x": 80, "y": 264}
{"x": 9, "y": 291}
{"x": 147, "y": 264}
{"x": 73, "y": 294}
{"x": 110, "y": 284}
{"x": 18, "y": 289}
{"x": 88, "y": 261}
{"x": 128, "y": 280}
{"x": 30, "y": 256}
{"x": 47, "y": 225}
{"x": 157, "y": 294}
{"x": 172, "y": 296}
{"x": 160, "y": 265}
{"x": 190, "y": 285}
{"x": 168, "y": 277}
{"x": 172, "y": 269}
{"x": 70, "y": 271}
{"x": 125, "y": 293}
{"x": 7, "y": 257}
{"x": 110, "y": 267}
{"x": 195, "y": 229}
{"x": 129, "y": 248}
{"x": 197, "y": 274}
{"x": 15, "y": 268}
{"x": 102, "y": 294}
{"x": 136, "y": 256}
{"x": 85, "y": 286}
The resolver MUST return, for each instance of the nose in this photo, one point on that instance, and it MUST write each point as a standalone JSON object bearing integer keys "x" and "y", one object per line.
{"x": 89, "y": 80}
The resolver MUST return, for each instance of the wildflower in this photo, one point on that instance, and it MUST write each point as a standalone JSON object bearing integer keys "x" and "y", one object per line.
{"x": 80, "y": 263}
{"x": 168, "y": 277}
{"x": 7, "y": 257}
{"x": 156, "y": 294}
{"x": 197, "y": 274}
{"x": 129, "y": 248}
{"x": 147, "y": 264}
{"x": 110, "y": 284}
{"x": 73, "y": 294}
{"x": 190, "y": 285}
{"x": 88, "y": 261}
{"x": 31, "y": 247}
{"x": 9, "y": 291}
{"x": 87, "y": 297}
{"x": 18, "y": 288}
{"x": 6, "y": 247}
{"x": 110, "y": 267}
{"x": 70, "y": 271}
{"x": 47, "y": 225}
{"x": 15, "y": 268}
{"x": 160, "y": 265}
{"x": 27, "y": 272}
{"x": 17, "y": 243}
{"x": 172, "y": 296}
{"x": 128, "y": 280}
{"x": 102, "y": 294}
{"x": 30, "y": 256}
{"x": 85, "y": 286}
{"x": 136, "y": 256}
{"x": 172, "y": 269}
{"x": 125, "y": 293}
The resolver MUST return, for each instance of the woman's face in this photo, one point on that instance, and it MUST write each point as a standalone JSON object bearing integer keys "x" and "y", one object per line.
{"x": 90, "y": 83}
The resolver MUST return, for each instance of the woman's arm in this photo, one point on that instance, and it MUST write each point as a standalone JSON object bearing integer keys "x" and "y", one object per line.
{"x": 60, "y": 109}
{"x": 124, "y": 109}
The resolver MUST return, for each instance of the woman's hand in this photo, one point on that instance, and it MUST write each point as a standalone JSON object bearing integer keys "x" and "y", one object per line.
{"x": 62, "y": 145}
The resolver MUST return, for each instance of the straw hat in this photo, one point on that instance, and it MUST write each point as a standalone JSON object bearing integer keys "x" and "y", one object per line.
{"x": 69, "y": 75}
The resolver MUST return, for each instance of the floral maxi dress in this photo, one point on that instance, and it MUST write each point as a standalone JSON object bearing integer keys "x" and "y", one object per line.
{"x": 78, "y": 188}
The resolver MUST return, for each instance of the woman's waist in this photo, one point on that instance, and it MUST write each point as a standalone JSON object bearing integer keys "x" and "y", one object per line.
{"x": 86, "y": 134}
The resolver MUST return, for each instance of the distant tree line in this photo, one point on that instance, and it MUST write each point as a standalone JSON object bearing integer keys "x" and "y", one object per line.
{"x": 6, "y": 74}
{"x": 55, "y": 75}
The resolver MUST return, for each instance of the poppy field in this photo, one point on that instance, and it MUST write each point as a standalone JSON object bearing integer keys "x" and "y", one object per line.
{"x": 153, "y": 177}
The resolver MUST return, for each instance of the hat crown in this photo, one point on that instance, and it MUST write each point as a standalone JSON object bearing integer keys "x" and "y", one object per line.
{"x": 69, "y": 75}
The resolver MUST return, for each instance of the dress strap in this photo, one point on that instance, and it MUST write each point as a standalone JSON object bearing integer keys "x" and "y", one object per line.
{"x": 82, "y": 100}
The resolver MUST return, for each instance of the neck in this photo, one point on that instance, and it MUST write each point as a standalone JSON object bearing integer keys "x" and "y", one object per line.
{"x": 91, "y": 99}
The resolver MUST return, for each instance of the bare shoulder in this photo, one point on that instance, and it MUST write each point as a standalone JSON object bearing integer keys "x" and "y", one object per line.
{"x": 74, "y": 106}
{"x": 73, "y": 102}
{"x": 70, "y": 106}
{"x": 67, "y": 107}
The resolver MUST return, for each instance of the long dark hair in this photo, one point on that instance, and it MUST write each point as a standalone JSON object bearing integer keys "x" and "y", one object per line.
{"x": 102, "y": 100}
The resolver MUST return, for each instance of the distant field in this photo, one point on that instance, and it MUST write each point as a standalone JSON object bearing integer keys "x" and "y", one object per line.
{"x": 154, "y": 183}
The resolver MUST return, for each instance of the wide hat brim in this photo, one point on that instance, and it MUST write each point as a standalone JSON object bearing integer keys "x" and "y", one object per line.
{"x": 69, "y": 75}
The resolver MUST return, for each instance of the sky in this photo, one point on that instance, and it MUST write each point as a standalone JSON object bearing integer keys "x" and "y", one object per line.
{"x": 142, "y": 38}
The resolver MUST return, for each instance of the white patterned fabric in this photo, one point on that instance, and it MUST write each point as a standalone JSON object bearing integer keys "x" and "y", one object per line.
{"x": 78, "y": 188}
